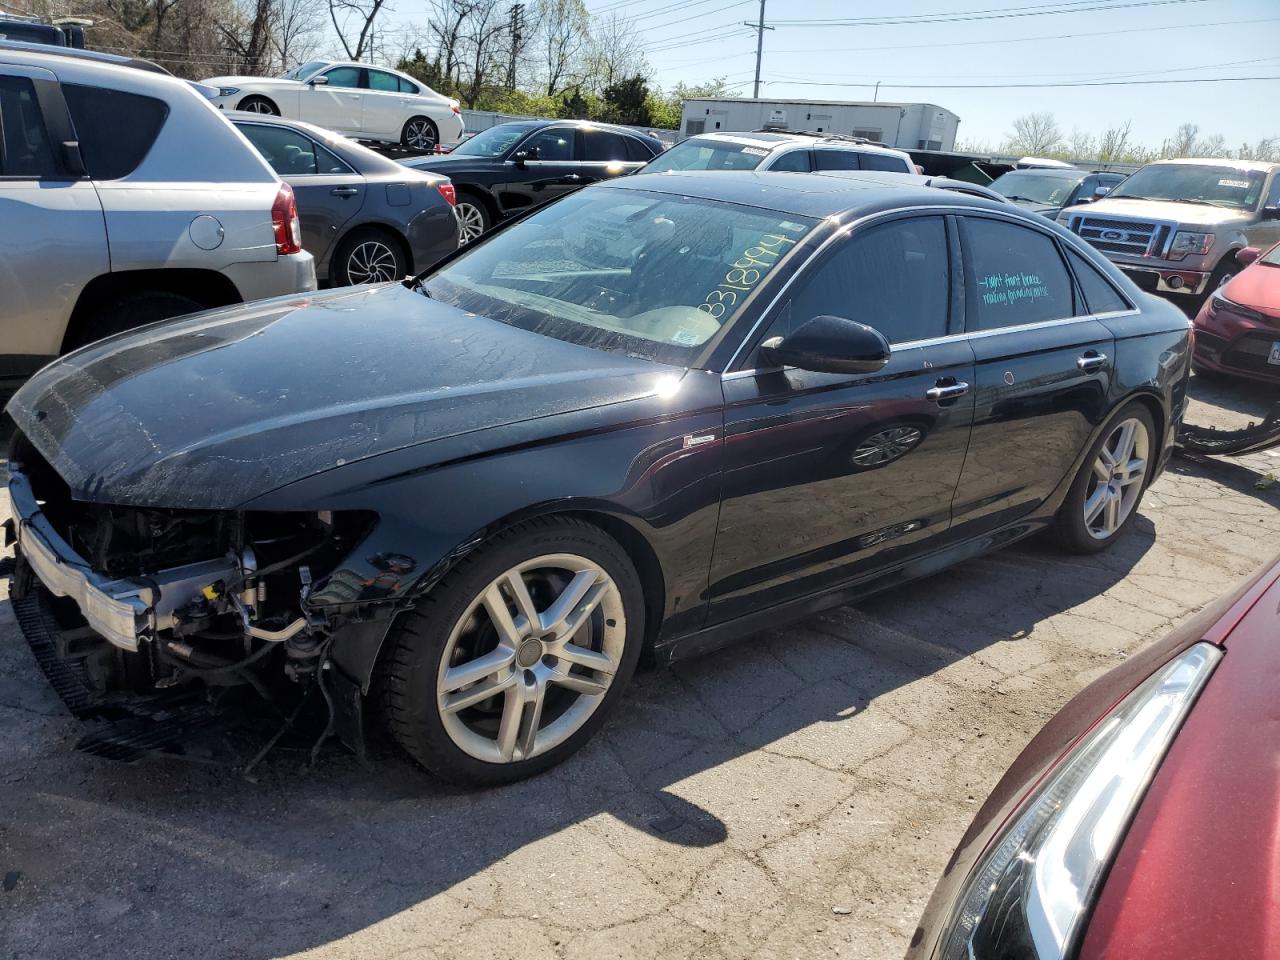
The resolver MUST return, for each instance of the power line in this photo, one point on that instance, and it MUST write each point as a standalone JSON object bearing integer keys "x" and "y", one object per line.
{"x": 998, "y": 13}
{"x": 1021, "y": 86}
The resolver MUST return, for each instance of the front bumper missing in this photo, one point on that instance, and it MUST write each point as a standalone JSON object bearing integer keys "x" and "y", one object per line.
{"x": 1187, "y": 282}
{"x": 125, "y": 611}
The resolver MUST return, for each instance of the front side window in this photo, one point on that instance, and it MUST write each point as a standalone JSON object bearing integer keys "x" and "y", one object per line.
{"x": 797, "y": 161}
{"x": 629, "y": 271}
{"x": 347, "y": 77}
{"x": 290, "y": 153}
{"x": 554, "y": 144}
{"x": 600, "y": 145}
{"x": 383, "y": 81}
{"x": 1015, "y": 276}
{"x": 700, "y": 154}
{"x": 25, "y": 150}
{"x": 99, "y": 115}
{"x": 1216, "y": 186}
{"x": 894, "y": 277}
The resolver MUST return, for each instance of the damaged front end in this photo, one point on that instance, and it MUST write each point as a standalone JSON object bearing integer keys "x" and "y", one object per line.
{"x": 136, "y": 613}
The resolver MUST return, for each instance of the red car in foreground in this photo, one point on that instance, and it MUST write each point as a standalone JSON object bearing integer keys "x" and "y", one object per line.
{"x": 1142, "y": 821}
{"x": 1238, "y": 328}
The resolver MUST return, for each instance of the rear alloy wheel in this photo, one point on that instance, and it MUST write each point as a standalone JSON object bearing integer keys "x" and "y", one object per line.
{"x": 258, "y": 105}
{"x": 510, "y": 665}
{"x": 473, "y": 219}
{"x": 419, "y": 134}
{"x": 368, "y": 256}
{"x": 1106, "y": 493}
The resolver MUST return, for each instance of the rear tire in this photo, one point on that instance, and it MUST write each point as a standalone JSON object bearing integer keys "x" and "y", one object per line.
{"x": 473, "y": 217}
{"x": 420, "y": 134}
{"x": 552, "y": 674}
{"x": 368, "y": 255}
{"x": 256, "y": 104}
{"x": 134, "y": 310}
{"x": 1103, "y": 501}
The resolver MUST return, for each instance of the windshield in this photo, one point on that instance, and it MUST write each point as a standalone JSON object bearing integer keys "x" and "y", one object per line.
{"x": 303, "y": 70}
{"x": 495, "y": 141}
{"x": 699, "y": 154}
{"x": 1271, "y": 257}
{"x": 1036, "y": 187}
{"x": 639, "y": 273}
{"x": 1194, "y": 183}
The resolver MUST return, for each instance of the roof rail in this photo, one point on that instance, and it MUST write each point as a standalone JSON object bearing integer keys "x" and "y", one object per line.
{"x": 961, "y": 186}
{"x": 822, "y": 135}
{"x": 96, "y": 56}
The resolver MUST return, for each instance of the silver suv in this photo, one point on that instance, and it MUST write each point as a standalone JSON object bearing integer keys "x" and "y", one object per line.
{"x": 766, "y": 150}
{"x": 1176, "y": 226}
{"x": 125, "y": 197}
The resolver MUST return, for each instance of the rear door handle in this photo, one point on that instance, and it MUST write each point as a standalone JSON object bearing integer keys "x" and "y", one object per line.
{"x": 947, "y": 390}
{"x": 344, "y": 191}
{"x": 1092, "y": 361}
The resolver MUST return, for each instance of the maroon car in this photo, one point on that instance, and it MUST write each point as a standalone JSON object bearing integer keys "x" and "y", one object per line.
{"x": 1238, "y": 329}
{"x": 1142, "y": 820}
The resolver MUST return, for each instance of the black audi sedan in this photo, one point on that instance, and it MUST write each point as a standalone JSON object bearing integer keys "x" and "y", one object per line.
{"x": 364, "y": 218}
{"x": 649, "y": 418}
{"x": 513, "y": 167}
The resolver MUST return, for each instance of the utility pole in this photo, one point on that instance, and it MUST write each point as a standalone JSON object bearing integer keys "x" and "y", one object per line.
{"x": 759, "y": 28}
{"x": 516, "y": 29}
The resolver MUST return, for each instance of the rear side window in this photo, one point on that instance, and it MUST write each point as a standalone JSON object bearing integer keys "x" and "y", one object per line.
{"x": 1016, "y": 276}
{"x": 797, "y": 161}
{"x": 1100, "y": 296}
{"x": 378, "y": 80}
{"x": 25, "y": 150}
{"x": 407, "y": 86}
{"x": 101, "y": 116}
{"x": 883, "y": 161}
{"x": 894, "y": 277}
{"x": 836, "y": 160}
{"x": 290, "y": 153}
{"x": 600, "y": 145}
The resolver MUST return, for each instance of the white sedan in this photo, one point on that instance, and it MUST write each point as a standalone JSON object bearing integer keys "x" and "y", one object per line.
{"x": 368, "y": 103}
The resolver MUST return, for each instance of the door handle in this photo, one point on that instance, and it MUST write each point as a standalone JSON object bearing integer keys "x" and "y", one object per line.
{"x": 572, "y": 178}
{"x": 1092, "y": 361}
{"x": 947, "y": 390}
{"x": 344, "y": 191}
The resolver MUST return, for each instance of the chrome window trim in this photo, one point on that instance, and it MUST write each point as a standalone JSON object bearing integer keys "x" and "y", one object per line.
{"x": 942, "y": 210}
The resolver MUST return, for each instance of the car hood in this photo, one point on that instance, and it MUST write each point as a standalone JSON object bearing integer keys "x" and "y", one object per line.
{"x": 453, "y": 162}
{"x": 250, "y": 81}
{"x": 1257, "y": 287}
{"x": 1193, "y": 214}
{"x": 213, "y": 410}
{"x": 1044, "y": 209}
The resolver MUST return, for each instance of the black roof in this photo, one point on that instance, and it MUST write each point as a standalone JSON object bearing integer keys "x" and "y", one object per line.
{"x": 817, "y": 195}
{"x": 538, "y": 122}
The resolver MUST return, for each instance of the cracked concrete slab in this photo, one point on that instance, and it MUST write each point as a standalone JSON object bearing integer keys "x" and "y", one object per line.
{"x": 723, "y": 814}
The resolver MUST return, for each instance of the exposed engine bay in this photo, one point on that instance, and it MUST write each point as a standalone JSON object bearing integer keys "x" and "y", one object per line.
{"x": 168, "y": 600}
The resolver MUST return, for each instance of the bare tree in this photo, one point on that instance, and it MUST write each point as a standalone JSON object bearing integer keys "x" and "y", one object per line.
{"x": 615, "y": 51}
{"x": 1082, "y": 144}
{"x": 356, "y": 16}
{"x": 448, "y": 20}
{"x": 564, "y": 27}
{"x": 1036, "y": 134}
{"x": 1268, "y": 148}
{"x": 298, "y": 25}
{"x": 1183, "y": 142}
{"x": 1115, "y": 142}
{"x": 484, "y": 25}
{"x": 248, "y": 36}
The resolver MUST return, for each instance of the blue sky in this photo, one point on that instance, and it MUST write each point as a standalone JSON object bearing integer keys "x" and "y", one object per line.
{"x": 695, "y": 40}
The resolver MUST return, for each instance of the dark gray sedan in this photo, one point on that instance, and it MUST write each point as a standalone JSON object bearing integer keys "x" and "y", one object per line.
{"x": 365, "y": 219}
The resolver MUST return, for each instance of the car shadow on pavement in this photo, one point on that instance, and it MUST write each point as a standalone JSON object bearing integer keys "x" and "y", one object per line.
{"x": 173, "y": 859}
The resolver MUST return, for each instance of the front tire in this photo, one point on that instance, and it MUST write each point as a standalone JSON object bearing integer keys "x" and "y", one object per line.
{"x": 420, "y": 134}
{"x": 1105, "y": 494}
{"x": 256, "y": 104}
{"x": 518, "y": 656}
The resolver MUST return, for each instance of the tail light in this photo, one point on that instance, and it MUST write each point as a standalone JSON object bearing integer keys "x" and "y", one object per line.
{"x": 455, "y": 107}
{"x": 447, "y": 191}
{"x": 284, "y": 218}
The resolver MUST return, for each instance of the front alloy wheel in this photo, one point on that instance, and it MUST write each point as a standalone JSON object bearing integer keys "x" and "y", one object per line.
{"x": 531, "y": 659}
{"x": 512, "y": 662}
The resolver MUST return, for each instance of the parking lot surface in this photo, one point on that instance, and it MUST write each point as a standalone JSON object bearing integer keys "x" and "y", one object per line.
{"x": 794, "y": 796}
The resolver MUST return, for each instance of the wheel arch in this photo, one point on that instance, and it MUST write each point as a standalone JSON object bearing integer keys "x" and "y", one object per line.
{"x": 208, "y": 287}
{"x": 258, "y": 96}
{"x": 379, "y": 224}
{"x": 485, "y": 197}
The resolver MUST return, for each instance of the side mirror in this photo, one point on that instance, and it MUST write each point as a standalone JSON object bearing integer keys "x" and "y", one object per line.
{"x": 1101, "y": 192}
{"x": 1248, "y": 255}
{"x": 829, "y": 345}
{"x": 1271, "y": 213}
{"x": 318, "y": 81}
{"x": 522, "y": 156}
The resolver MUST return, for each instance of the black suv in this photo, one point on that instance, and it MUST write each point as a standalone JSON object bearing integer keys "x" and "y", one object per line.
{"x": 515, "y": 166}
